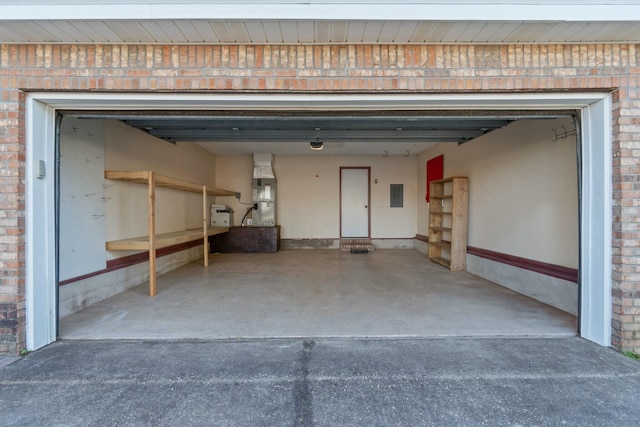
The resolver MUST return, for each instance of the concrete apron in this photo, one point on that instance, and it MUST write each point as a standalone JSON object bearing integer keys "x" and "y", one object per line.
{"x": 317, "y": 293}
{"x": 325, "y": 382}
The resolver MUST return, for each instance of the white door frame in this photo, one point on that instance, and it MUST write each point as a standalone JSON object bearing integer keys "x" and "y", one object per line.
{"x": 41, "y": 304}
{"x": 595, "y": 203}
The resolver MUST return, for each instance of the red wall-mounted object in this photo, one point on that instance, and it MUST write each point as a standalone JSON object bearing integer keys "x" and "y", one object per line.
{"x": 435, "y": 171}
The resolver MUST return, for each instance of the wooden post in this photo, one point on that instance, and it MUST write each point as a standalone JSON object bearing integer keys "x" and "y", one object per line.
{"x": 205, "y": 225}
{"x": 152, "y": 234}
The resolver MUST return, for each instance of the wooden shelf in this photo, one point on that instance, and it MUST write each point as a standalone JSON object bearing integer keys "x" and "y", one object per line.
{"x": 162, "y": 240}
{"x": 446, "y": 229}
{"x": 154, "y": 241}
{"x": 142, "y": 177}
{"x": 451, "y": 196}
{"x": 441, "y": 244}
{"x": 442, "y": 261}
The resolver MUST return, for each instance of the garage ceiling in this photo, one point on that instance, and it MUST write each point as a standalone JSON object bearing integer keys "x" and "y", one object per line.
{"x": 290, "y": 133}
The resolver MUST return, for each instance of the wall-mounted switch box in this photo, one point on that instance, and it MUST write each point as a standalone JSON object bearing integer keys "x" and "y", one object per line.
{"x": 40, "y": 169}
{"x": 396, "y": 195}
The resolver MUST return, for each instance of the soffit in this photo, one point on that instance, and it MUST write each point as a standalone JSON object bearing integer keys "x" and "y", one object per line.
{"x": 318, "y": 22}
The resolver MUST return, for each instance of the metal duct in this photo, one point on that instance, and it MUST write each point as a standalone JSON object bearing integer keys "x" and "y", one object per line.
{"x": 263, "y": 165}
{"x": 264, "y": 190}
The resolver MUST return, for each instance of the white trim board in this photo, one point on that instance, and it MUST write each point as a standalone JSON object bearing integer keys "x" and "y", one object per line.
{"x": 596, "y": 203}
{"x": 472, "y": 11}
{"x": 316, "y": 102}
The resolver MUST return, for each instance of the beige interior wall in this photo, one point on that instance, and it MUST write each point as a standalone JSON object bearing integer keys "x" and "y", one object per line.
{"x": 309, "y": 195}
{"x": 523, "y": 196}
{"x": 523, "y": 189}
{"x": 235, "y": 173}
{"x": 126, "y": 204}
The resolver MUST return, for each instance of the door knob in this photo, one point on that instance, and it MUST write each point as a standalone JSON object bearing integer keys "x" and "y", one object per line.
{"x": 365, "y": 206}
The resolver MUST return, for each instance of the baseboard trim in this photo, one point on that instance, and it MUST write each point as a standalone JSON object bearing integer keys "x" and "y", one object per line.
{"x": 557, "y": 271}
{"x": 129, "y": 260}
{"x": 334, "y": 243}
{"x": 552, "y": 270}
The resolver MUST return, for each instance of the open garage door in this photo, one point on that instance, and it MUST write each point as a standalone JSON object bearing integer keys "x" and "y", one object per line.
{"x": 119, "y": 125}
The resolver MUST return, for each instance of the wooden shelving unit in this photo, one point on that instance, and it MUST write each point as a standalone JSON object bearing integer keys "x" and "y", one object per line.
{"x": 162, "y": 240}
{"x": 448, "y": 218}
{"x": 154, "y": 241}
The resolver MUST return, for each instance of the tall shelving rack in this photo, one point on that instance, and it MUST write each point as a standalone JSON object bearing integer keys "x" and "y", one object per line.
{"x": 154, "y": 241}
{"x": 448, "y": 218}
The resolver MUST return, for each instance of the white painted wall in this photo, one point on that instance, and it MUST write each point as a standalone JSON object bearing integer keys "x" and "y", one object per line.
{"x": 126, "y": 204}
{"x": 82, "y": 218}
{"x": 309, "y": 195}
{"x": 130, "y": 149}
{"x": 126, "y": 212}
{"x": 235, "y": 173}
{"x": 523, "y": 197}
{"x": 309, "y": 189}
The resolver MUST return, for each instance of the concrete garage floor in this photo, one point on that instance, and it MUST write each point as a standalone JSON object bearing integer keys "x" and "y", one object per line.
{"x": 317, "y": 293}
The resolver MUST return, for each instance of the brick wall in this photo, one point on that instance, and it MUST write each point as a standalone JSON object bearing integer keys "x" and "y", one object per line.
{"x": 358, "y": 68}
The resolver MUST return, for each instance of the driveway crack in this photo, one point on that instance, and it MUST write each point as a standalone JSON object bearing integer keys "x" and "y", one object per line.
{"x": 302, "y": 391}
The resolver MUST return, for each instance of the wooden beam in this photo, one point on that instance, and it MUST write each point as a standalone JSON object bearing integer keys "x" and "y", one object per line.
{"x": 141, "y": 177}
{"x": 162, "y": 240}
{"x": 134, "y": 176}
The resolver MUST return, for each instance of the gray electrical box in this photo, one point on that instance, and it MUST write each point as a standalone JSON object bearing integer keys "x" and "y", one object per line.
{"x": 396, "y": 195}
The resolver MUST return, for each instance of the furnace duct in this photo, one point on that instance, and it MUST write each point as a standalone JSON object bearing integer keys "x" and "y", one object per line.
{"x": 264, "y": 190}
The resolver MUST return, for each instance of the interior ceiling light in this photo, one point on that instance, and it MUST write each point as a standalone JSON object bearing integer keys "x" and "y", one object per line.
{"x": 316, "y": 145}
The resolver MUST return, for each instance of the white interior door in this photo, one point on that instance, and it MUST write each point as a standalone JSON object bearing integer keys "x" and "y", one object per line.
{"x": 354, "y": 203}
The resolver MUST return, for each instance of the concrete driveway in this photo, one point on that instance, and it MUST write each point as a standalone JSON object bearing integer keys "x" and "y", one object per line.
{"x": 324, "y": 382}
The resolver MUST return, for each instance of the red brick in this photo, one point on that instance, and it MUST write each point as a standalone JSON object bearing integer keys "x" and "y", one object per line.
{"x": 611, "y": 67}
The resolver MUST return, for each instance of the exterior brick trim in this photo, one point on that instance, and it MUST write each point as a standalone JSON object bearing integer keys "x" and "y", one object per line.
{"x": 361, "y": 69}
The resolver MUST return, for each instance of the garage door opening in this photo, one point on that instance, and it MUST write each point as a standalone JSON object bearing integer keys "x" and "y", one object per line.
{"x": 524, "y": 202}
{"x": 308, "y": 172}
